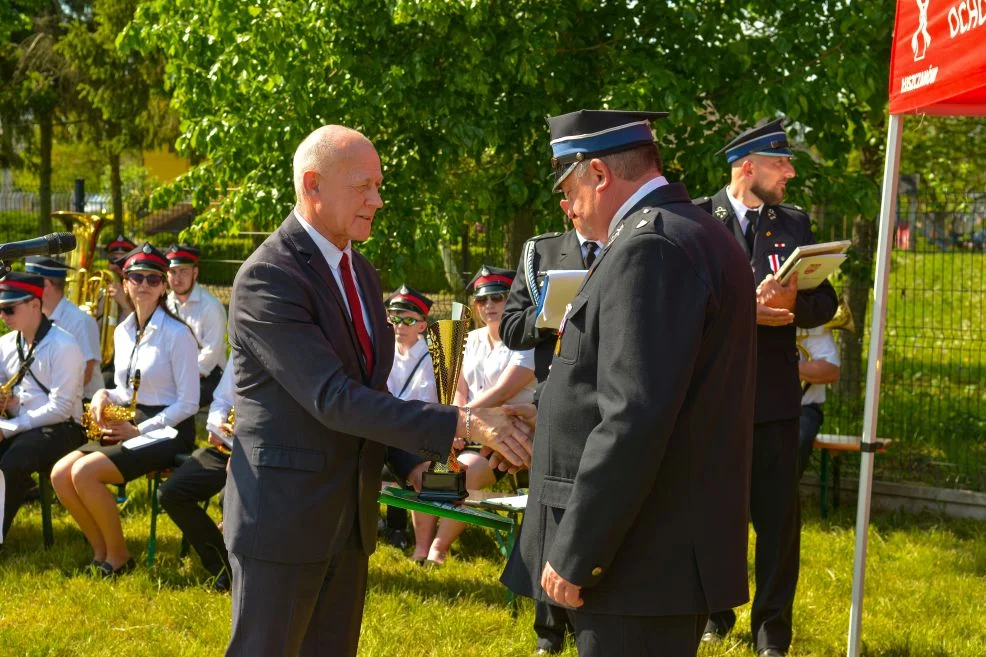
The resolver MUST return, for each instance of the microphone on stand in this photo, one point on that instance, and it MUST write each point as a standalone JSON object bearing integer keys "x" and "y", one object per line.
{"x": 51, "y": 244}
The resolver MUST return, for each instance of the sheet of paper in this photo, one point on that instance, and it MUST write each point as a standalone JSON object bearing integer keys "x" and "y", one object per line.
{"x": 814, "y": 269}
{"x": 7, "y": 427}
{"x": 516, "y": 502}
{"x": 557, "y": 291}
{"x": 150, "y": 438}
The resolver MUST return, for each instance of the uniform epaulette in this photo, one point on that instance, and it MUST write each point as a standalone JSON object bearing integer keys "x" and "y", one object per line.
{"x": 544, "y": 236}
{"x": 701, "y": 200}
{"x": 792, "y": 206}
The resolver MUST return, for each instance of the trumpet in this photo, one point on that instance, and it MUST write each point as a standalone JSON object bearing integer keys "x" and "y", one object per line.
{"x": 111, "y": 413}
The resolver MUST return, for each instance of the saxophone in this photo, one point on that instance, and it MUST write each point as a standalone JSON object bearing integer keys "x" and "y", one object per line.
{"x": 8, "y": 388}
{"x": 231, "y": 421}
{"x": 111, "y": 412}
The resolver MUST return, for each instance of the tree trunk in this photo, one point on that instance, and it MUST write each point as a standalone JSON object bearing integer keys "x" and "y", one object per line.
{"x": 857, "y": 290}
{"x": 519, "y": 230}
{"x": 464, "y": 255}
{"x": 116, "y": 189}
{"x": 46, "y": 120}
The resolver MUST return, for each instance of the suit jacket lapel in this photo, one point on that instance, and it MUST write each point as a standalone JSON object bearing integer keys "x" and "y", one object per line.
{"x": 310, "y": 253}
{"x": 729, "y": 219}
{"x": 570, "y": 256}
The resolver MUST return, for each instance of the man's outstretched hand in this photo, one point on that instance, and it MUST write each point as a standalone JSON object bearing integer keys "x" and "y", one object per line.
{"x": 506, "y": 430}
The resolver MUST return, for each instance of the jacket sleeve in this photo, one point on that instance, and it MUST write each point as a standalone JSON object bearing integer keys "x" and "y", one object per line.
{"x": 272, "y": 321}
{"x": 643, "y": 372}
{"x": 517, "y": 328}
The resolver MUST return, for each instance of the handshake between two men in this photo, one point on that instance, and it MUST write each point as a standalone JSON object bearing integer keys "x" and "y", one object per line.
{"x": 505, "y": 432}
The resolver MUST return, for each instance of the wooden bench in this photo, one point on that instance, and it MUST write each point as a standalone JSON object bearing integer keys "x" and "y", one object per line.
{"x": 832, "y": 447}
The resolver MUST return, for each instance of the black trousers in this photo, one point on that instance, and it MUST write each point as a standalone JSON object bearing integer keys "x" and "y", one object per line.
{"x": 811, "y": 422}
{"x": 550, "y": 624}
{"x": 605, "y": 635}
{"x": 199, "y": 478}
{"x": 32, "y": 451}
{"x": 775, "y": 509}
{"x": 207, "y": 386}
{"x": 299, "y": 610}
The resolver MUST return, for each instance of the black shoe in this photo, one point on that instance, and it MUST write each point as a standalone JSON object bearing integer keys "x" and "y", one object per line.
{"x": 107, "y": 571}
{"x": 222, "y": 583}
{"x": 398, "y": 538}
{"x": 714, "y": 633}
{"x": 771, "y": 652}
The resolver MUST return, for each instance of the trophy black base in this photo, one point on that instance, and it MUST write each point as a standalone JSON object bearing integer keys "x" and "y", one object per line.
{"x": 443, "y": 486}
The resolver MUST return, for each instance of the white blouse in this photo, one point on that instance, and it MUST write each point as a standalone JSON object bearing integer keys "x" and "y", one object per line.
{"x": 85, "y": 330}
{"x": 167, "y": 360}
{"x": 205, "y": 314}
{"x": 58, "y": 364}
{"x": 222, "y": 400}
{"x": 422, "y": 385}
{"x": 483, "y": 364}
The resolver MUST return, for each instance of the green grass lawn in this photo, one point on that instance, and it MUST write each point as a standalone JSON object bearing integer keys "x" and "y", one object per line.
{"x": 926, "y": 596}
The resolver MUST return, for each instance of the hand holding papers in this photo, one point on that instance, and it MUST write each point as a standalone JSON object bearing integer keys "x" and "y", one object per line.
{"x": 557, "y": 291}
{"x": 150, "y": 438}
{"x": 813, "y": 263}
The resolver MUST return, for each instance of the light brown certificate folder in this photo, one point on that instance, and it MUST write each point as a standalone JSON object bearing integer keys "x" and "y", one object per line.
{"x": 814, "y": 263}
{"x": 557, "y": 291}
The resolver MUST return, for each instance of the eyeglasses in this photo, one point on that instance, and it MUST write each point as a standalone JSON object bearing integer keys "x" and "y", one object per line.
{"x": 406, "y": 321}
{"x": 7, "y": 311}
{"x": 495, "y": 298}
{"x": 151, "y": 279}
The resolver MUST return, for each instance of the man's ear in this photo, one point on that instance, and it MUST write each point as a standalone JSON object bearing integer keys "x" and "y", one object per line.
{"x": 602, "y": 175}
{"x": 309, "y": 182}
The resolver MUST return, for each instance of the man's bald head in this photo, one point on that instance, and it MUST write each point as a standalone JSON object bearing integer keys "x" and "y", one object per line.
{"x": 321, "y": 150}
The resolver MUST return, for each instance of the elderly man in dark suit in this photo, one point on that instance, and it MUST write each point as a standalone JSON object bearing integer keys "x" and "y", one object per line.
{"x": 751, "y": 208}
{"x": 638, "y": 511}
{"x": 312, "y": 351}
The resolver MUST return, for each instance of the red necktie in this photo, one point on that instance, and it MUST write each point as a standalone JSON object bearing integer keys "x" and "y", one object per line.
{"x": 356, "y": 311}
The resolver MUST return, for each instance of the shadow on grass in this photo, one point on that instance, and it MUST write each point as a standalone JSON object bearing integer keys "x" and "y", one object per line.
{"x": 439, "y": 585}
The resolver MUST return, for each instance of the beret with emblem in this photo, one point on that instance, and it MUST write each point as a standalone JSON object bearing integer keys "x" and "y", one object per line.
{"x": 585, "y": 134}
{"x": 182, "y": 254}
{"x": 407, "y": 298}
{"x": 145, "y": 258}
{"x": 491, "y": 280}
{"x": 765, "y": 138}
{"x": 16, "y": 287}
{"x": 46, "y": 266}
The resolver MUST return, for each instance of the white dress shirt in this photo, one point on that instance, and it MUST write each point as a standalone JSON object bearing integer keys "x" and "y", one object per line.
{"x": 205, "y": 315}
{"x": 333, "y": 256}
{"x": 820, "y": 344}
{"x": 482, "y": 365}
{"x": 169, "y": 373}
{"x": 222, "y": 400}
{"x": 83, "y": 327}
{"x": 740, "y": 210}
{"x": 422, "y": 384}
{"x": 642, "y": 191}
{"x": 59, "y": 365}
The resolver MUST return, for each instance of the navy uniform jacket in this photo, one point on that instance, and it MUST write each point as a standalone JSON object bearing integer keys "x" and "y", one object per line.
{"x": 641, "y": 472}
{"x": 780, "y": 230}
{"x": 540, "y": 254}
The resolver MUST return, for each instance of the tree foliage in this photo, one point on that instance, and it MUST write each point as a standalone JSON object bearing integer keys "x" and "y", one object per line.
{"x": 454, "y": 96}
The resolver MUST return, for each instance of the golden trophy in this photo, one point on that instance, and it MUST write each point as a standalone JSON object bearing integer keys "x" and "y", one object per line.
{"x": 446, "y": 482}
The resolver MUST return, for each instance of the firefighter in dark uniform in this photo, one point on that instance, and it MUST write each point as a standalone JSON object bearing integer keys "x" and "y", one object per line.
{"x": 751, "y": 208}
{"x": 568, "y": 250}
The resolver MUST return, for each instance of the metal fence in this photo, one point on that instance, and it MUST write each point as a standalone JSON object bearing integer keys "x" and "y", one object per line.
{"x": 933, "y": 401}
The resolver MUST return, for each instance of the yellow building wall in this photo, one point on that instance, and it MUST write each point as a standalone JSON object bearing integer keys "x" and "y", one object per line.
{"x": 164, "y": 165}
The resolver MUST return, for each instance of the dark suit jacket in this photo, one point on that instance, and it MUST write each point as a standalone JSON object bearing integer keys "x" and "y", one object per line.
{"x": 549, "y": 251}
{"x": 780, "y": 230}
{"x": 311, "y": 425}
{"x": 640, "y": 482}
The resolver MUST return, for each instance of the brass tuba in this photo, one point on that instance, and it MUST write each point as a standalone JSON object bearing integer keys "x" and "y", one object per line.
{"x": 86, "y": 228}
{"x": 112, "y": 412}
{"x": 99, "y": 303}
{"x": 842, "y": 321}
{"x": 231, "y": 421}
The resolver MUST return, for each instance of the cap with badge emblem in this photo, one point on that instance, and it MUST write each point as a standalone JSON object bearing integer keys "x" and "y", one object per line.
{"x": 145, "y": 258}
{"x": 491, "y": 280}
{"x": 47, "y": 267}
{"x": 407, "y": 298}
{"x": 585, "y": 134}
{"x": 16, "y": 287}
{"x": 182, "y": 254}
{"x": 765, "y": 138}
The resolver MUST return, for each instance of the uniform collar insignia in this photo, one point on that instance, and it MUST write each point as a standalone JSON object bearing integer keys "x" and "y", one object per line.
{"x": 771, "y": 214}
{"x": 720, "y": 213}
{"x": 616, "y": 233}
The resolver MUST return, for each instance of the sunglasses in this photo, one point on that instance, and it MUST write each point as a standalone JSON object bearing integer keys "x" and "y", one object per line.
{"x": 151, "y": 279}
{"x": 495, "y": 298}
{"x": 8, "y": 311}
{"x": 406, "y": 321}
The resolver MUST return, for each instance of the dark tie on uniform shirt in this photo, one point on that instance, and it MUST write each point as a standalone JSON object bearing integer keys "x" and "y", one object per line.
{"x": 751, "y": 227}
{"x": 591, "y": 248}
